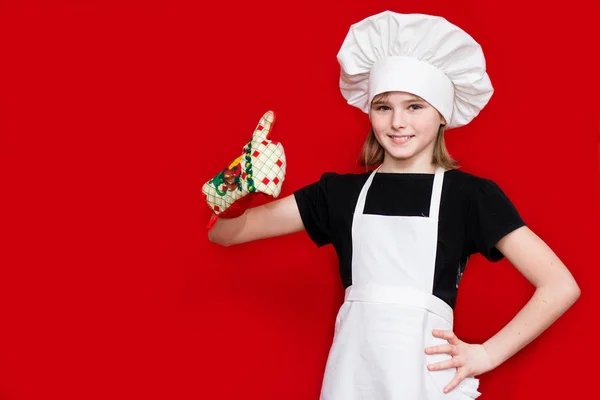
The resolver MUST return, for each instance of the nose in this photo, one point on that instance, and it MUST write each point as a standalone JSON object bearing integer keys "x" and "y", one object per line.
{"x": 398, "y": 119}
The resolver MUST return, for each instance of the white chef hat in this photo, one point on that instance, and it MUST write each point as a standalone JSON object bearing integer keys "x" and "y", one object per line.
{"x": 420, "y": 54}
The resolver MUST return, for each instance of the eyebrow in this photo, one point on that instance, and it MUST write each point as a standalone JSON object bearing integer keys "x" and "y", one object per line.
{"x": 411, "y": 99}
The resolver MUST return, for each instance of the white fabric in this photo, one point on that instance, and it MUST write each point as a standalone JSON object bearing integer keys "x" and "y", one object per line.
{"x": 389, "y": 312}
{"x": 421, "y": 54}
{"x": 408, "y": 74}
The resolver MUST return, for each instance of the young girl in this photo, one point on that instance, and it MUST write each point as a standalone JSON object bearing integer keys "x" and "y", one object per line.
{"x": 404, "y": 232}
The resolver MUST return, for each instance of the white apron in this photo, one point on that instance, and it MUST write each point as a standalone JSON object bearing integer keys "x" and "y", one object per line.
{"x": 389, "y": 312}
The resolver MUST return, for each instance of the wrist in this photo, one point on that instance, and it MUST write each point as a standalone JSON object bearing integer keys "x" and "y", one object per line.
{"x": 494, "y": 359}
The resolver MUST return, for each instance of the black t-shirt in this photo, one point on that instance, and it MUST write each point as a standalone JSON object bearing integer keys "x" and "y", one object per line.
{"x": 474, "y": 215}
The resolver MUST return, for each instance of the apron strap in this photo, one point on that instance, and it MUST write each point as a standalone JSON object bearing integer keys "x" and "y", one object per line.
{"x": 400, "y": 295}
{"x": 360, "y": 204}
{"x": 436, "y": 193}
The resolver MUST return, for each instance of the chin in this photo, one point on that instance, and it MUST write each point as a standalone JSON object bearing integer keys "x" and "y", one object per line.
{"x": 400, "y": 155}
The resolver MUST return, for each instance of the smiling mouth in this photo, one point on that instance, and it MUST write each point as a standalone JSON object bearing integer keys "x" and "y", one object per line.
{"x": 400, "y": 139}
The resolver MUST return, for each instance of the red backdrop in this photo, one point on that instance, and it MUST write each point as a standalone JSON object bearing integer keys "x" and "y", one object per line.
{"x": 113, "y": 115}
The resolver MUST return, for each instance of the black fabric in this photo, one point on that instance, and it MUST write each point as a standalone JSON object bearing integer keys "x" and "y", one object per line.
{"x": 474, "y": 215}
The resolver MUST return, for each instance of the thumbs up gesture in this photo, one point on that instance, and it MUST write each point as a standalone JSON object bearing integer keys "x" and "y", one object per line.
{"x": 259, "y": 169}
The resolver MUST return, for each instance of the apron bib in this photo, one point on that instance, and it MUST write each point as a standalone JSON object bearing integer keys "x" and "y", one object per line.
{"x": 389, "y": 312}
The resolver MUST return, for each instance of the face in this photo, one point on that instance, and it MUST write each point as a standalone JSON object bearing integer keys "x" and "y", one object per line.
{"x": 405, "y": 125}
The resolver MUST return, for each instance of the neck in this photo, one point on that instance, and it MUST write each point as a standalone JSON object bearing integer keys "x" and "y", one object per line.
{"x": 413, "y": 165}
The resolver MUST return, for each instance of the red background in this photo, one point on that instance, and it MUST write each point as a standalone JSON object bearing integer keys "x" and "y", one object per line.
{"x": 113, "y": 115}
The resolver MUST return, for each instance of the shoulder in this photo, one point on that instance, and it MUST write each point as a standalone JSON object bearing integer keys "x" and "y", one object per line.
{"x": 336, "y": 180}
{"x": 475, "y": 192}
{"x": 489, "y": 203}
{"x": 334, "y": 185}
{"x": 471, "y": 183}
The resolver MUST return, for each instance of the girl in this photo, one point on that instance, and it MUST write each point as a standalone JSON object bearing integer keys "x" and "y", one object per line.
{"x": 404, "y": 232}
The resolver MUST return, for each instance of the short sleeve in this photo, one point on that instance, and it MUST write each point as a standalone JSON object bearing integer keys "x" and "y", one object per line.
{"x": 313, "y": 204}
{"x": 492, "y": 216}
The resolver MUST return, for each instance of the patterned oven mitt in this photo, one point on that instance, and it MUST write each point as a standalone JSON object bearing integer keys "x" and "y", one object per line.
{"x": 259, "y": 169}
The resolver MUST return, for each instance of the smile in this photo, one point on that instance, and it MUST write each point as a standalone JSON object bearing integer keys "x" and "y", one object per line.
{"x": 400, "y": 139}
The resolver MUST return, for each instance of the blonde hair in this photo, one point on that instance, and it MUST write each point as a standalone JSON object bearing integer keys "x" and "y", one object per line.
{"x": 372, "y": 153}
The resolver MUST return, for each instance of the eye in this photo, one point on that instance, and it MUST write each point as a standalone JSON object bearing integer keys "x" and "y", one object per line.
{"x": 415, "y": 107}
{"x": 383, "y": 108}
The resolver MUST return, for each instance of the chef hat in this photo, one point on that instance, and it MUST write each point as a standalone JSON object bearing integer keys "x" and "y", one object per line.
{"x": 419, "y": 54}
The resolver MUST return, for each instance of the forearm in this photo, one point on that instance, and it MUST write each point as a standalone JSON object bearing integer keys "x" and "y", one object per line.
{"x": 280, "y": 217}
{"x": 225, "y": 230}
{"x": 545, "y": 306}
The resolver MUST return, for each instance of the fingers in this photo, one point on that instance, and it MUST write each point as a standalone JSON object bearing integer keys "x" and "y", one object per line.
{"x": 461, "y": 373}
{"x": 460, "y": 357}
{"x": 452, "y": 363}
{"x": 443, "y": 348}
{"x": 458, "y": 378}
{"x": 448, "y": 335}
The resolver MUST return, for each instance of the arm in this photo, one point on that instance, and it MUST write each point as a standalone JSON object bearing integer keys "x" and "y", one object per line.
{"x": 556, "y": 291}
{"x": 279, "y": 217}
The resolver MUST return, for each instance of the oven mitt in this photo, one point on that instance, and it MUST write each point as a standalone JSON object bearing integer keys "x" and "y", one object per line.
{"x": 259, "y": 169}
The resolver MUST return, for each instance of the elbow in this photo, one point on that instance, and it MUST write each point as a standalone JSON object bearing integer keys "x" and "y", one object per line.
{"x": 562, "y": 294}
{"x": 574, "y": 292}
{"x": 571, "y": 290}
{"x": 569, "y": 293}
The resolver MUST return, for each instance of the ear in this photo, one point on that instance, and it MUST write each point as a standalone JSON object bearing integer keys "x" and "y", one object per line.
{"x": 444, "y": 123}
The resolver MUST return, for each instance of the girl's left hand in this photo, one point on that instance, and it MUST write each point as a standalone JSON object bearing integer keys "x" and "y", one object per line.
{"x": 468, "y": 359}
